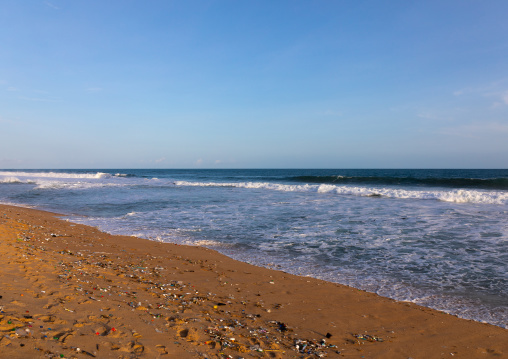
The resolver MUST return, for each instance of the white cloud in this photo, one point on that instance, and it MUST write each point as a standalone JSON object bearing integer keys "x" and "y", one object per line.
{"x": 94, "y": 89}
{"x": 38, "y": 99}
{"x": 428, "y": 115}
{"x": 442, "y": 114}
{"x": 504, "y": 97}
{"x": 47, "y": 3}
{"x": 496, "y": 90}
{"x": 5, "y": 120}
{"x": 463, "y": 91}
{"x": 199, "y": 162}
{"x": 12, "y": 89}
{"x": 331, "y": 113}
{"x": 160, "y": 160}
{"x": 501, "y": 97}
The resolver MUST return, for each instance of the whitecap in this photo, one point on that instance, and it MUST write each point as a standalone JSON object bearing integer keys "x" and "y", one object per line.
{"x": 457, "y": 196}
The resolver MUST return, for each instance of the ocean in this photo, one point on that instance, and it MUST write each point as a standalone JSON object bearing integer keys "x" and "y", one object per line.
{"x": 438, "y": 238}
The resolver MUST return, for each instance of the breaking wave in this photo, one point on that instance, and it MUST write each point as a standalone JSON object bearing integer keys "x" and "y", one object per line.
{"x": 456, "y": 195}
{"x": 13, "y": 180}
{"x": 57, "y": 175}
{"x": 500, "y": 183}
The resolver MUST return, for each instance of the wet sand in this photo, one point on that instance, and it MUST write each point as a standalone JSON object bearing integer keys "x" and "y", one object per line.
{"x": 71, "y": 291}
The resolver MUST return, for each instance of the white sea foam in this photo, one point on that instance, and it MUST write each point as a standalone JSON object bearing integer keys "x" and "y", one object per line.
{"x": 7, "y": 203}
{"x": 205, "y": 243}
{"x": 457, "y": 196}
{"x": 56, "y": 180}
{"x": 55, "y": 174}
{"x": 14, "y": 180}
{"x": 79, "y": 185}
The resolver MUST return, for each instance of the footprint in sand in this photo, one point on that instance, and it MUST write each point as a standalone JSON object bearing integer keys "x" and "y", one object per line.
{"x": 137, "y": 349}
{"x": 50, "y": 305}
{"x": 161, "y": 349}
{"x": 15, "y": 302}
{"x": 491, "y": 352}
{"x": 254, "y": 341}
{"x": 64, "y": 336}
{"x": 115, "y": 333}
{"x": 35, "y": 279}
{"x": 49, "y": 319}
{"x": 101, "y": 330}
{"x": 190, "y": 334}
{"x": 45, "y": 318}
{"x": 133, "y": 347}
{"x": 212, "y": 345}
{"x": 5, "y": 326}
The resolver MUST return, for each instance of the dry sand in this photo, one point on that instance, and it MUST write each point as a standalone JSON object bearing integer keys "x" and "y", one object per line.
{"x": 71, "y": 291}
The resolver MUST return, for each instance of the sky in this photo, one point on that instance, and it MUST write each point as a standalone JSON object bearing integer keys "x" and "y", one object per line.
{"x": 253, "y": 84}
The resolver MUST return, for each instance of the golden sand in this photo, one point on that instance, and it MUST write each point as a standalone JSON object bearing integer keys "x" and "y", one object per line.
{"x": 71, "y": 291}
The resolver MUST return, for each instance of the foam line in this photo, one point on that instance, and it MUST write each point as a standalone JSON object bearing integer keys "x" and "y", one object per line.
{"x": 457, "y": 195}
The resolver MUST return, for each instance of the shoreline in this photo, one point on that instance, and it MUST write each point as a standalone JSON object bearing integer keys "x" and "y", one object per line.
{"x": 117, "y": 296}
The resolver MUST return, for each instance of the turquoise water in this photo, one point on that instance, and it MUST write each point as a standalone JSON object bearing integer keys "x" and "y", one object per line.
{"x": 438, "y": 238}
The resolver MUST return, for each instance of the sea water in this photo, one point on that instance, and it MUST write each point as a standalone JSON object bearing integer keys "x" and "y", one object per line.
{"x": 438, "y": 238}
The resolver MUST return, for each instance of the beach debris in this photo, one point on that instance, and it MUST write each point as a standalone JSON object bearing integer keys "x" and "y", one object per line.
{"x": 367, "y": 337}
{"x": 22, "y": 332}
{"x": 101, "y": 282}
{"x": 311, "y": 347}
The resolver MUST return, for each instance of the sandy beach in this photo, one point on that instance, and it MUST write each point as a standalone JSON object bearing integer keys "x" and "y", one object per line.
{"x": 71, "y": 291}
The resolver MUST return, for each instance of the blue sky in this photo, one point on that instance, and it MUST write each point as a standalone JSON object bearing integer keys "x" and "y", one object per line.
{"x": 253, "y": 84}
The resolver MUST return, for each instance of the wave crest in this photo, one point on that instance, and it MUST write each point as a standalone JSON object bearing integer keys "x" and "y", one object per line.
{"x": 11, "y": 180}
{"x": 500, "y": 183}
{"x": 457, "y": 196}
{"x": 61, "y": 175}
